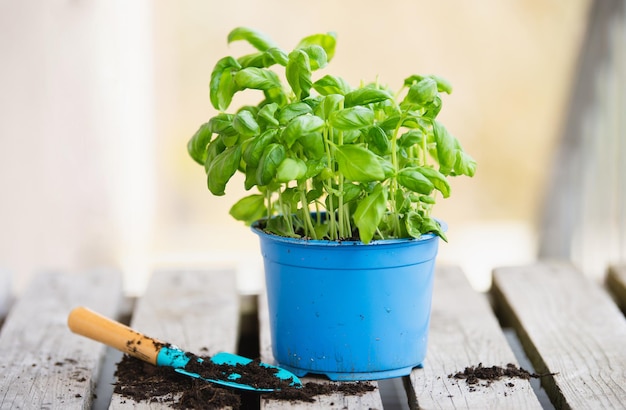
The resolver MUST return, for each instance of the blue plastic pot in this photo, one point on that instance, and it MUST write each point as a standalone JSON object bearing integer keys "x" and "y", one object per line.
{"x": 348, "y": 310}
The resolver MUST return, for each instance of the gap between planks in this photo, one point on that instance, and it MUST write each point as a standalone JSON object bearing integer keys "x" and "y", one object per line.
{"x": 616, "y": 283}
{"x": 44, "y": 365}
{"x": 195, "y": 310}
{"x": 570, "y": 326}
{"x": 465, "y": 332}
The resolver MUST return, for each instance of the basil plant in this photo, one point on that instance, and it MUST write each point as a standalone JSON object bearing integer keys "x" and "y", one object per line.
{"x": 327, "y": 160}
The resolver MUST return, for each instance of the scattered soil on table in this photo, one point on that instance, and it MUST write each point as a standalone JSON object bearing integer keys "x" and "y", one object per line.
{"x": 311, "y": 389}
{"x": 139, "y": 381}
{"x": 252, "y": 374}
{"x": 474, "y": 375}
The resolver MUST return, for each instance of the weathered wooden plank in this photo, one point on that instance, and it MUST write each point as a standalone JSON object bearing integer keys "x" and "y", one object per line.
{"x": 568, "y": 325}
{"x": 616, "y": 282}
{"x": 464, "y": 332}
{"x": 42, "y": 364}
{"x": 370, "y": 400}
{"x": 585, "y": 204}
{"x": 195, "y": 310}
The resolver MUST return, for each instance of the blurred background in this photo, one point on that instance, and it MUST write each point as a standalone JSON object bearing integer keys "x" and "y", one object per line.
{"x": 99, "y": 97}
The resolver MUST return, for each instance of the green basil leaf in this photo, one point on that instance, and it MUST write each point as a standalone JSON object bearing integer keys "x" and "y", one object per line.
{"x": 321, "y": 230}
{"x": 465, "y": 164}
{"x": 422, "y": 92}
{"x": 378, "y": 141}
{"x": 256, "y": 78}
{"x": 314, "y": 167}
{"x": 222, "y": 124}
{"x": 387, "y": 166}
{"x": 412, "y": 137}
{"x": 330, "y": 84}
{"x": 364, "y": 96}
{"x": 369, "y": 213}
{"x": 276, "y": 95}
{"x": 409, "y": 81}
{"x": 429, "y": 225}
{"x": 271, "y": 158}
{"x": 413, "y": 224}
{"x": 222, "y": 168}
{"x": 351, "y": 192}
{"x": 329, "y": 104}
{"x": 280, "y": 226}
{"x": 390, "y": 123}
{"x": 359, "y": 164}
{"x": 292, "y": 111}
{"x": 222, "y": 86}
{"x": 249, "y": 209}
{"x": 230, "y": 140}
{"x": 215, "y": 148}
{"x": 327, "y": 41}
{"x": 326, "y": 173}
{"x": 198, "y": 144}
{"x": 298, "y": 73}
{"x": 257, "y": 39}
{"x": 311, "y": 196}
{"x": 291, "y": 169}
{"x": 446, "y": 148}
{"x": 317, "y": 56}
{"x": 314, "y": 194}
{"x": 353, "y": 118}
{"x": 278, "y": 55}
{"x": 438, "y": 180}
{"x": 403, "y": 201}
{"x": 267, "y": 115}
{"x": 351, "y": 136}
{"x": 443, "y": 85}
{"x": 300, "y": 126}
{"x": 245, "y": 124}
{"x": 313, "y": 101}
{"x": 250, "y": 180}
{"x": 254, "y": 150}
{"x": 412, "y": 179}
{"x": 433, "y": 108}
{"x": 313, "y": 145}
{"x": 258, "y": 60}
{"x": 290, "y": 196}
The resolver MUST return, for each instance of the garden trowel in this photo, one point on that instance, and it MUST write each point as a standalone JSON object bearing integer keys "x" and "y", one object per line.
{"x": 225, "y": 369}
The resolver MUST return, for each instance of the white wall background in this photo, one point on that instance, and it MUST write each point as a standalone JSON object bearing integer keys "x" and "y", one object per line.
{"x": 98, "y": 99}
{"x": 76, "y": 136}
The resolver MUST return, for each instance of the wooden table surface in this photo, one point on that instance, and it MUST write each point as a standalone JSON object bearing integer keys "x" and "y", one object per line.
{"x": 566, "y": 324}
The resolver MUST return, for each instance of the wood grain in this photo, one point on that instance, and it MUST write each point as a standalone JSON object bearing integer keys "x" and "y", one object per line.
{"x": 568, "y": 325}
{"x": 196, "y": 310}
{"x": 43, "y": 364}
{"x": 464, "y": 332}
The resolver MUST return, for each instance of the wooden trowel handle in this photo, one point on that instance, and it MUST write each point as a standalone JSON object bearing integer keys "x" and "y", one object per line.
{"x": 88, "y": 323}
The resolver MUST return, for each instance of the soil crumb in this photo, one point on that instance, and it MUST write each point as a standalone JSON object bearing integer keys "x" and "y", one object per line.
{"x": 474, "y": 375}
{"x": 139, "y": 381}
{"x": 309, "y": 390}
